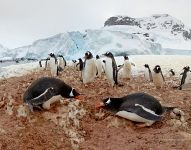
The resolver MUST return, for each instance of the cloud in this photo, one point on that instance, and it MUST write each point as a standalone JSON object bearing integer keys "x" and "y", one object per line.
{"x": 23, "y": 21}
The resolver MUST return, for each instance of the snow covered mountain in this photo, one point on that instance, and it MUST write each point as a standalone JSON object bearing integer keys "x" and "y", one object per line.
{"x": 158, "y": 34}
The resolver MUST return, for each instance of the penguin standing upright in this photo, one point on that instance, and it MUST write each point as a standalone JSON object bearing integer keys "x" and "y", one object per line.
{"x": 111, "y": 68}
{"x": 126, "y": 68}
{"x": 89, "y": 70}
{"x": 80, "y": 65}
{"x": 53, "y": 65}
{"x": 47, "y": 63}
{"x": 186, "y": 77}
{"x": 61, "y": 63}
{"x": 147, "y": 73}
{"x": 99, "y": 65}
{"x": 171, "y": 73}
{"x": 158, "y": 78}
{"x": 138, "y": 107}
{"x": 44, "y": 63}
{"x": 74, "y": 64}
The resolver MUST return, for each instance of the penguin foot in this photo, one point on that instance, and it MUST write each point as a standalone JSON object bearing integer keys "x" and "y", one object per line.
{"x": 141, "y": 125}
{"x": 146, "y": 124}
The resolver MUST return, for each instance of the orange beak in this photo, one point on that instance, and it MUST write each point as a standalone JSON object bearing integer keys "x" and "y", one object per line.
{"x": 99, "y": 105}
{"x": 79, "y": 97}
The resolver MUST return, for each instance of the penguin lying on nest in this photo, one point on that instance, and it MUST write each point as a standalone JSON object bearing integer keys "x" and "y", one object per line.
{"x": 138, "y": 107}
{"x": 43, "y": 89}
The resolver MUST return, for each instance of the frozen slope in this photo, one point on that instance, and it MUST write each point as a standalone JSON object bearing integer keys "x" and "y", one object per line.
{"x": 158, "y": 34}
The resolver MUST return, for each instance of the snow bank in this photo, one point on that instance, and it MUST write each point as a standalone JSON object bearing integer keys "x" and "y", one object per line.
{"x": 176, "y": 62}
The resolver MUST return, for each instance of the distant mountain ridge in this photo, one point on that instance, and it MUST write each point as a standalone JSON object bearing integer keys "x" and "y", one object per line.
{"x": 158, "y": 34}
{"x": 161, "y": 21}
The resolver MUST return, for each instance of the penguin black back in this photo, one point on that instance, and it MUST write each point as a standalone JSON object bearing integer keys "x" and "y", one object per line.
{"x": 81, "y": 63}
{"x": 42, "y": 84}
{"x": 142, "y": 99}
{"x": 184, "y": 76}
{"x": 114, "y": 65}
{"x": 150, "y": 74}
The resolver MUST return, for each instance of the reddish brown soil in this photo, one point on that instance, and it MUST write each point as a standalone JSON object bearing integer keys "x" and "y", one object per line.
{"x": 100, "y": 132}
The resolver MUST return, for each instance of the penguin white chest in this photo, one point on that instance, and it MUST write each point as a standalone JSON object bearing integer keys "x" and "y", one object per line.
{"x": 127, "y": 69}
{"x": 158, "y": 80}
{"x": 61, "y": 62}
{"x": 89, "y": 71}
{"x": 146, "y": 74}
{"x": 99, "y": 66}
{"x": 133, "y": 117}
{"x": 188, "y": 78}
{"x": 53, "y": 67}
{"x": 109, "y": 70}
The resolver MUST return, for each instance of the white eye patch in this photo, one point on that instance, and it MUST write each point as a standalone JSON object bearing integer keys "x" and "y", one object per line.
{"x": 108, "y": 101}
{"x": 71, "y": 93}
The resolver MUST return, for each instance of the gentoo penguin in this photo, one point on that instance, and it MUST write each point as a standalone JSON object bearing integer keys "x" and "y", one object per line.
{"x": 158, "y": 78}
{"x": 147, "y": 73}
{"x": 80, "y": 65}
{"x": 171, "y": 73}
{"x": 53, "y": 65}
{"x": 74, "y": 64}
{"x": 47, "y": 64}
{"x": 40, "y": 62}
{"x": 186, "y": 77}
{"x": 42, "y": 89}
{"x": 103, "y": 66}
{"x": 61, "y": 63}
{"x": 99, "y": 65}
{"x": 111, "y": 68}
{"x": 126, "y": 68}
{"x": 138, "y": 107}
{"x": 89, "y": 69}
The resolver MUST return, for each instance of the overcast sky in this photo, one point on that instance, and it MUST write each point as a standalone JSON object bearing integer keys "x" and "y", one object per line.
{"x": 24, "y": 21}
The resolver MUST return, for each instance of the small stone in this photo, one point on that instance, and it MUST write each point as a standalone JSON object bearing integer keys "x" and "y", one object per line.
{"x": 182, "y": 119}
{"x": 176, "y": 111}
{"x": 22, "y": 111}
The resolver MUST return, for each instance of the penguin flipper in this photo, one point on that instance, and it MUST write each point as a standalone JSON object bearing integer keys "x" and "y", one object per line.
{"x": 140, "y": 111}
{"x": 48, "y": 93}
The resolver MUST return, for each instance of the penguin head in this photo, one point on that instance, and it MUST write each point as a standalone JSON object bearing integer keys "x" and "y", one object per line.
{"x": 108, "y": 54}
{"x": 51, "y": 55}
{"x": 172, "y": 72}
{"x": 80, "y": 60}
{"x": 111, "y": 104}
{"x": 74, "y": 61}
{"x": 187, "y": 68}
{"x": 60, "y": 56}
{"x": 74, "y": 94}
{"x": 126, "y": 57}
{"x": 157, "y": 69}
{"x": 88, "y": 55}
{"x": 146, "y": 66}
{"x": 97, "y": 57}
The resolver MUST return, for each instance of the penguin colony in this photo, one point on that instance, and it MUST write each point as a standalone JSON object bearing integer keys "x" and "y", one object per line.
{"x": 137, "y": 107}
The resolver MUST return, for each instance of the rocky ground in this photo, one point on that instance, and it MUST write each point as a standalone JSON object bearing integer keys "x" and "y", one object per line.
{"x": 74, "y": 125}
